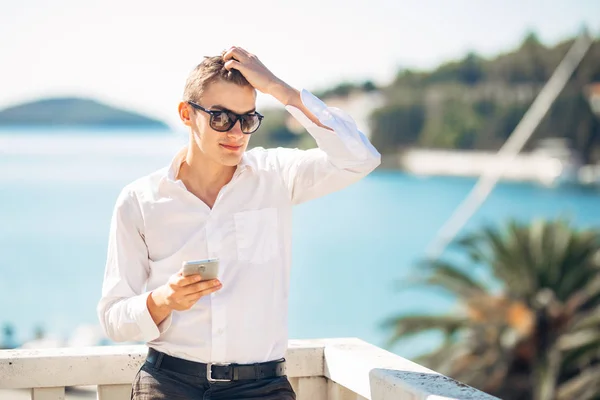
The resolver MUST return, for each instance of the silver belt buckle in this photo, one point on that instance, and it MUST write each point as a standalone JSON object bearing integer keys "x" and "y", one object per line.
{"x": 209, "y": 372}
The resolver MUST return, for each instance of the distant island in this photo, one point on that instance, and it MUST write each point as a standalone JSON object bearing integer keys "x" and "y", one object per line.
{"x": 72, "y": 111}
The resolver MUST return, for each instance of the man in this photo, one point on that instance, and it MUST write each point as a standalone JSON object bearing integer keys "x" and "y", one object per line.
{"x": 223, "y": 338}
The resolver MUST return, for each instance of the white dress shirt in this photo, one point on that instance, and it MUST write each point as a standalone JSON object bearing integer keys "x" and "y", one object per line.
{"x": 158, "y": 224}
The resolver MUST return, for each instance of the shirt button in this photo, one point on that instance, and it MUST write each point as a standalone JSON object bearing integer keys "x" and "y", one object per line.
{"x": 220, "y": 331}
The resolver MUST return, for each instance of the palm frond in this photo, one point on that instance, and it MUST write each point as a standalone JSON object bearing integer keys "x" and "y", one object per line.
{"x": 508, "y": 263}
{"x": 578, "y": 264}
{"x": 454, "y": 280}
{"x": 471, "y": 244}
{"x": 546, "y": 371}
{"x": 581, "y": 357}
{"x": 583, "y": 386}
{"x": 584, "y": 300}
{"x": 586, "y": 320}
{"x": 443, "y": 358}
{"x": 408, "y": 325}
{"x": 578, "y": 339}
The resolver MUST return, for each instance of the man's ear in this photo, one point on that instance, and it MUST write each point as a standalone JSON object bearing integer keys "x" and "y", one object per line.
{"x": 185, "y": 114}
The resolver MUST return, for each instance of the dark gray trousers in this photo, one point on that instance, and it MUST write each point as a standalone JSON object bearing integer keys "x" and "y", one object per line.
{"x": 157, "y": 384}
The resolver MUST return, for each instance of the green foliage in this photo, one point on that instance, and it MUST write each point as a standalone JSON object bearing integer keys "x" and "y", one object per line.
{"x": 472, "y": 103}
{"x": 468, "y": 71}
{"x": 457, "y": 128}
{"x": 344, "y": 89}
{"x": 394, "y": 125}
{"x": 274, "y": 132}
{"x": 476, "y": 103}
{"x": 368, "y": 86}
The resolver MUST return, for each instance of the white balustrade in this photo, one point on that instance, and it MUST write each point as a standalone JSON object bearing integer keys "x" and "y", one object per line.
{"x": 323, "y": 369}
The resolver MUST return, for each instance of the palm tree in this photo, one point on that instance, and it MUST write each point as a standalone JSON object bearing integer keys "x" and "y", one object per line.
{"x": 530, "y": 332}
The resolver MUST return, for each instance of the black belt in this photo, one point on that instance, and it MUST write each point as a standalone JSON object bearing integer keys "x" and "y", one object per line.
{"x": 216, "y": 372}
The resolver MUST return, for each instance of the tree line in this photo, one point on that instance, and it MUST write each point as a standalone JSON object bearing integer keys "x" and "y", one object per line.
{"x": 472, "y": 104}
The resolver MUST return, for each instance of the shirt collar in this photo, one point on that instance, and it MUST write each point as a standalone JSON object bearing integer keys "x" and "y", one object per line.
{"x": 173, "y": 169}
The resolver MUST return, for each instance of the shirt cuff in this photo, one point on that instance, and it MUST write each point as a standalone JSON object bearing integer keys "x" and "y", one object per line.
{"x": 343, "y": 126}
{"x": 138, "y": 309}
{"x": 318, "y": 108}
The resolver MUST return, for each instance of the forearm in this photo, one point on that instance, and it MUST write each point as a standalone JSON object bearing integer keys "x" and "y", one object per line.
{"x": 157, "y": 308}
{"x": 128, "y": 319}
{"x": 288, "y": 96}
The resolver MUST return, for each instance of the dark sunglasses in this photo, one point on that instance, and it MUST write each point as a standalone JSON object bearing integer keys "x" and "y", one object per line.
{"x": 224, "y": 120}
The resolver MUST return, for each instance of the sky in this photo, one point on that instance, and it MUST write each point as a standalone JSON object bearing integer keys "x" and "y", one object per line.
{"x": 136, "y": 54}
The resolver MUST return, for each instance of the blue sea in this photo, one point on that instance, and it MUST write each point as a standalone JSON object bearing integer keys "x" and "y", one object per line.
{"x": 351, "y": 252}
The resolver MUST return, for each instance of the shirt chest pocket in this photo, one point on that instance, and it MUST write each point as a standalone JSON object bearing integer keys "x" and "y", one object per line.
{"x": 257, "y": 235}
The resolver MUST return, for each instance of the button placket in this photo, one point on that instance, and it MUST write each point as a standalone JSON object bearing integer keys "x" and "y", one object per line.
{"x": 218, "y": 305}
{"x": 213, "y": 236}
{"x": 219, "y": 332}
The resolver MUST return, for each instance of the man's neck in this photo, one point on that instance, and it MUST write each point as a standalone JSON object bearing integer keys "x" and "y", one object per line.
{"x": 203, "y": 176}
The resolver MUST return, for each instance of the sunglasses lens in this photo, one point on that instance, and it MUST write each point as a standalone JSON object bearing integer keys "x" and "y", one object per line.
{"x": 250, "y": 123}
{"x": 221, "y": 121}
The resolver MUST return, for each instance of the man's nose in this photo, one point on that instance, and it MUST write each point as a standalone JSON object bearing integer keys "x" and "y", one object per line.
{"x": 236, "y": 129}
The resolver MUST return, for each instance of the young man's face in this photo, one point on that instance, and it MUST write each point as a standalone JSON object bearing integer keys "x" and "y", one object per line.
{"x": 225, "y": 148}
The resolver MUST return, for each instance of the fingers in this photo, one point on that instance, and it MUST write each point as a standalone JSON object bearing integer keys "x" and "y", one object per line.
{"x": 197, "y": 295}
{"x": 183, "y": 281}
{"x": 201, "y": 286}
{"x": 236, "y": 53}
{"x": 233, "y": 64}
{"x": 190, "y": 299}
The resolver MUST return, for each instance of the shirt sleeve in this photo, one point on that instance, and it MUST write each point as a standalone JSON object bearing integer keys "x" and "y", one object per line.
{"x": 122, "y": 309}
{"x": 343, "y": 156}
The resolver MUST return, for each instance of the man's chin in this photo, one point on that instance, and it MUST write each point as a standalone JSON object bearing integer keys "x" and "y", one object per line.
{"x": 230, "y": 160}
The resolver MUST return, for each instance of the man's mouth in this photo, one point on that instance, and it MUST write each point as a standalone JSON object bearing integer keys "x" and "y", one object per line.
{"x": 231, "y": 147}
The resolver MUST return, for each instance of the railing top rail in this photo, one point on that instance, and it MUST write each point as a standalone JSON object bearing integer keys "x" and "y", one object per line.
{"x": 358, "y": 366}
{"x": 104, "y": 365}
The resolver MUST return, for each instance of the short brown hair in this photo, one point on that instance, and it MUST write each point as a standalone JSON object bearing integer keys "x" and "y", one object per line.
{"x": 208, "y": 71}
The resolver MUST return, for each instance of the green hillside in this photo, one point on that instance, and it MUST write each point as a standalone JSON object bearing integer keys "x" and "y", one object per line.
{"x": 475, "y": 103}
{"x": 73, "y": 112}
